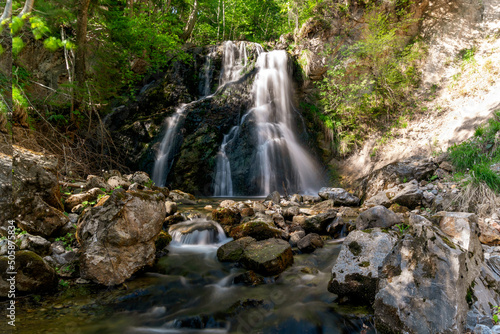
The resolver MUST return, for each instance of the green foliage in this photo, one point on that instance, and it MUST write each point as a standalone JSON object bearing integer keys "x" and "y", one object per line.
{"x": 477, "y": 154}
{"x": 370, "y": 82}
{"x": 17, "y": 45}
{"x": 67, "y": 241}
{"x": 52, "y": 43}
{"x": 63, "y": 283}
{"x": 16, "y": 25}
{"x": 402, "y": 228}
{"x": 496, "y": 313}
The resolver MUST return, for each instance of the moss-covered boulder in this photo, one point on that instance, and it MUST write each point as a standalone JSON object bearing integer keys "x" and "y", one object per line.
{"x": 233, "y": 250}
{"x": 34, "y": 275}
{"x": 162, "y": 240}
{"x": 256, "y": 229}
{"x": 268, "y": 257}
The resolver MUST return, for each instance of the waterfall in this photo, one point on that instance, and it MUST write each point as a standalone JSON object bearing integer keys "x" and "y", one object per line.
{"x": 200, "y": 232}
{"x": 207, "y": 72}
{"x": 280, "y": 160}
{"x": 169, "y": 143}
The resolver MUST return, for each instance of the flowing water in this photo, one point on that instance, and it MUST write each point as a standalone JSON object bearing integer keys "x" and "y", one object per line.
{"x": 281, "y": 161}
{"x": 190, "y": 291}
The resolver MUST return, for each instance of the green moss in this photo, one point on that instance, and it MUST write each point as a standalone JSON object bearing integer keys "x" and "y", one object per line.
{"x": 355, "y": 248}
{"x": 364, "y": 264}
{"x": 448, "y": 242}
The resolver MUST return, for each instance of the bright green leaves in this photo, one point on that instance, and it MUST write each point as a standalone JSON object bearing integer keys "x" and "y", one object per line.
{"x": 18, "y": 97}
{"x": 17, "y": 45}
{"x": 38, "y": 27}
{"x": 16, "y": 25}
{"x": 52, "y": 43}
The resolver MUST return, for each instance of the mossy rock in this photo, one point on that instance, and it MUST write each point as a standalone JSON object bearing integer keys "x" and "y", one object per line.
{"x": 34, "y": 275}
{"x": 268, "y": 257}
{"x": 226, "y": 217}
{"x": 233, "y": 250}
{"x": 163, "y": 240}
{"x": 255, "y": 229}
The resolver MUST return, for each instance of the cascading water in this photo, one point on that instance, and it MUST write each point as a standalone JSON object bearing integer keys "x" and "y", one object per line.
{"x": 197, "y": 234}
{"x": 279, "y": 159}
{"x": 234, "y": 64}
{"x": 168, "y": 146}
{"x": 223, "y": 185}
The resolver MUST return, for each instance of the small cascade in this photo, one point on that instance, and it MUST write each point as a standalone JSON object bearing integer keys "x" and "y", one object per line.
{"x": 197, "y": 232}
{"x": 165, "y": 157}
{"x": 207, "y": 72}
{"x": 223, "y": 184}
{"x": 234, "y": 62}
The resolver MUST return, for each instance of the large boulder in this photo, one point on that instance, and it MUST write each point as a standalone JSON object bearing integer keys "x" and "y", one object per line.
{"x": 355, "y": 273}
{"x": 118, "y": 236}
{"x": 268, "y": 257}
{"x": 339, "y": 196}
{"x": 378, "y": 216}
{"x": 34, "y": 243}
{"x": 233, "y": 250}
{"x": 226, "y": 218}
{"x": 459, "y": 226}
{"x": 407, "y": 194}
{"x": 36, "y": 200}
{"x": 260, "y": 227}
{"x": 424, "y": 281}
{"x": 34, "y": 275}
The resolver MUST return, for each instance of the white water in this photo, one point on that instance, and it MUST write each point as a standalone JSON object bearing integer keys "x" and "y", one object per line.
{"x": 281, "y": 160}
{"x": 197, "y": 234}
{"x": 223, "y": 185}
{"x": 165, "y": 157}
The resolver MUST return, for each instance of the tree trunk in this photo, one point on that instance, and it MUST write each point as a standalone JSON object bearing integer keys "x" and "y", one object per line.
{"x": 130, "y": 5}
{"x": 7, "y": 12}
{"x": 28, "y": 7}
{"x": 81, "y": 44}
{"x": 191, "y": 22}
{"x": 223, "y": 19}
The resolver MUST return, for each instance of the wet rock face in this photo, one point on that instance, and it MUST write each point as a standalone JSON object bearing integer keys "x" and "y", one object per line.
{"x": 355, "y": 273}
{"x": 424, "y": 282}
{"x": 118, "y": 236}
{"x": 34, "y": 275}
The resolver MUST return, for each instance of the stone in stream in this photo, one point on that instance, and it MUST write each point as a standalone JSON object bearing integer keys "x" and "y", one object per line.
{"x": 424, "y": 282}
{"x": 378, "y": 216}
{"x": 249, "y": 278}
{"x": 233, "y": 250}
{"x": 118, "y": 237}
{"x": 226, "y": 218}
{"x": 34, "y": 275}
{"x": 339, "y": 196}
{"x": 170, "y": 207}
{"x": 260, "y": 227}
{"x": 310, "y": 243}
{"x": 355, "y": 273}
{"x": 267, "y": 257}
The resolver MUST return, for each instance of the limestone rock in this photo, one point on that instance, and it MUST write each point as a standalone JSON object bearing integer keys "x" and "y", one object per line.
{"x": 39, "y": 218}
{"x": 295, "y": 237}
{"x": 460, "y": 226}
{"x": 141, "y": 178}
{"x": 355, "y": 273}
{"x": 316, "y": 223}
{"x": 378, "y": 216}
{"x": 34, "y": 243}
{"x": 257, "y": 229}
{"x": 324, "y": 206}
{"x": 291, "y": 211}
{"x": 424, "y": 281}
{"x": 410, "y": 196}
{"x": 118, "y": 238}
{"x": 118, "y": 181}
{"x": 94, "y": 181}
{"x": 170, "y": 208}
{"x": 490, "y": 231}
{"x": 226, "y": 217}
{"x": 268, "y": 257}
{"x": 89, "y": 196}
{"x": 339, "y": 196}
{"x": 275, "y": 197}
{"x": 310, "y": 243}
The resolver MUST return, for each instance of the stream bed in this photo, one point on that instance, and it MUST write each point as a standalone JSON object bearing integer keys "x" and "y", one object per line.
{"x": 190, "y": 291}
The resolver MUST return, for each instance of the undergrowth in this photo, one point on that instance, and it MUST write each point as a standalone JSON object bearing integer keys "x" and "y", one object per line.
{"x": 477, "y": 155}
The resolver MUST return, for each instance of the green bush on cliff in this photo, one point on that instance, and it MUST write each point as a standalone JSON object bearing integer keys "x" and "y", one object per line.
{"x": 369, "y": 84}
{"x": 479, "y": 153}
